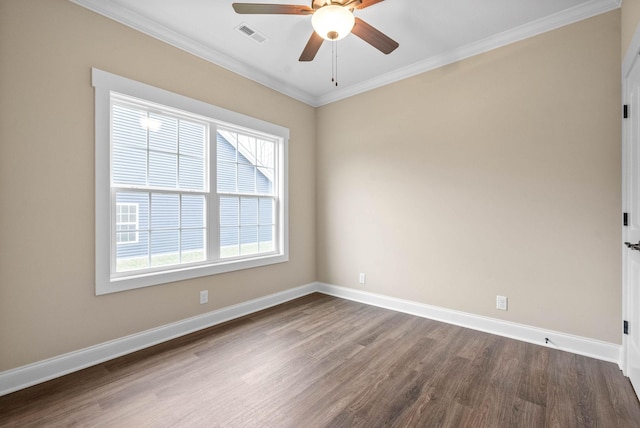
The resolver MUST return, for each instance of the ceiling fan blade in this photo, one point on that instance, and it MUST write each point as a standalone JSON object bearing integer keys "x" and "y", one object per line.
{"x": 311, "y": 49}
{"x": 367, "y": 3}
{"x": 271, "y": 9}
{"x": 374, "y": 37}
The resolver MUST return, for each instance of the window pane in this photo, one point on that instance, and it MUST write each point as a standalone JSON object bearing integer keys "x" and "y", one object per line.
{"x": 163, "y": 169}
{"x": 134, "y": 201}
{"x": 229, "y": 215}
{"x": 193, "y": 212}
{"x": 192, "y": 173}
{"x": 132, "y": 209}
{"x": 193, "y": 245}
{"x": 265, "y": 153}
{"x": 249, "y": 212}
{"x": 229, "y": 242}
{"x": 165, "y": 247}
{"x": 246, "y": 149}
{"x": 265, "y": 237}
{"x": 266, "y": 211}
{"x": 129, "y": 165}
{"x": 127, "y": 127}
{"x": 264, "y": 181}
{"x": 254, "y": 163}
{"x": 246, "y": 178}
{"x": 225, "y": 149}
{"x": 192, "y": 152}
{"x": 226, "y": 177}
{"x": 165, "y": 211}
{"x": 132, "y": 249}
{"x": 248, "y": 240}
{"x": 133, "y": 257}
{"x": 124, "y": 237}
{"x": 163, "y": 133}
{"x": 192, "y": 139}
{"x": 148, "y": 143}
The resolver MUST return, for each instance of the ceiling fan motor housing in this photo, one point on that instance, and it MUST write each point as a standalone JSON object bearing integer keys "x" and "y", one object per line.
{"x": 333, "y": 22}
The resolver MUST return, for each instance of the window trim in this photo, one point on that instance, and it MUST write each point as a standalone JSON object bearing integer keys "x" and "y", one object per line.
{"x": 104, "y": 84}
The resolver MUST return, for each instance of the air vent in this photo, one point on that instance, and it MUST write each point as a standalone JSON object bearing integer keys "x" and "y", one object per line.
{"x": 250, "y": 32}
{"x": 246, "y": 30}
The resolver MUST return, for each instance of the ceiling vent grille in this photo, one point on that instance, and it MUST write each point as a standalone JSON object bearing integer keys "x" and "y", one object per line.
{"x": 250, "y": 32}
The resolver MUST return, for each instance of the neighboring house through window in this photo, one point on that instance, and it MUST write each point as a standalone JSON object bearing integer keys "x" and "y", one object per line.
{"x": 192, "y": 189}
{"x": 126, "y": 223}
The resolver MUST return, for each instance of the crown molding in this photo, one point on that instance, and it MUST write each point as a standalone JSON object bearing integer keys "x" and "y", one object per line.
{"x": 540, "y": 26}
{"x": 154, "y": 29}
{"x": 158, "y": 31}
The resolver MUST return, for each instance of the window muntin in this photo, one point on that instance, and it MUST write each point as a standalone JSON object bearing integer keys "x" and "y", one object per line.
{"x": 246, "y": 189}
{"x": 150, "y": 153}
{"x": 171, "y": 231}
{"x": 156, "y": 150}
{"x": 166, "y": 155}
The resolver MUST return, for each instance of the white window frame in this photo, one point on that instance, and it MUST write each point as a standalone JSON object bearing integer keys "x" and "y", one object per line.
{"x": 106, "y": 280}
{"x": 136, "y": 223}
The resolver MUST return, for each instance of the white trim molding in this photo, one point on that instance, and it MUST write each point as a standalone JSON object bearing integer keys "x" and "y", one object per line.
{"x": 42, "y": 371}
{"x": 112, "y": 89}
{"x": 565, "y": 342}
{"x": 628, "y": 64}
{"x": 566, "y": 17}
{"x": 631, "y": 55}
{"x": 130, "y": 18}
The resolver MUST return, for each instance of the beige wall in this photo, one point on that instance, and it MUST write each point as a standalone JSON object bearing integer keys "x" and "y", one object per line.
{"x": 47, "y": 301}
{"x": 499, "y": 174}
{"x": 630, "y": 18}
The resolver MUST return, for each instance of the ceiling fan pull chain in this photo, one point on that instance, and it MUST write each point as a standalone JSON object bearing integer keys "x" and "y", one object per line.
{"x": 336, "y": 42}
{"x": 334, "y": 61}
{"x": 333, "y": 64}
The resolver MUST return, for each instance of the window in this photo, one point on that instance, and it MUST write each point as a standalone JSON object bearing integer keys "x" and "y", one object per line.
{"x": 246, "y": 167}
{"x": 183, "y": 188}
{"x": 126, "y": 223}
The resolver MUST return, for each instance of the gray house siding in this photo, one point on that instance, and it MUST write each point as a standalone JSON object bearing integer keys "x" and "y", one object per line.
{"x": 169, "y": 210}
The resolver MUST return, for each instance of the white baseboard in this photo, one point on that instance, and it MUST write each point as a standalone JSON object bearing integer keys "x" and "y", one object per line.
{"x": 566, "y": 342}
{"x": 42, "y": 371}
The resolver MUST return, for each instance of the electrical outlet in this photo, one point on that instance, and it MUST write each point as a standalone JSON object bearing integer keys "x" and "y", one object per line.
{"x": 363, "y": 278}
{"x": 501, "y": 303}
{"x": 204, "y": 296}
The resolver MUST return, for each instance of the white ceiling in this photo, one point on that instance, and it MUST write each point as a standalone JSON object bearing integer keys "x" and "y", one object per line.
{"x": 431, "y": 33}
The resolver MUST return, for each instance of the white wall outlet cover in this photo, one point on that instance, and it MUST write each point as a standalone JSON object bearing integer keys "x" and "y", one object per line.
{"x": 501, "y": 303}
{"x": 204, "y": 296}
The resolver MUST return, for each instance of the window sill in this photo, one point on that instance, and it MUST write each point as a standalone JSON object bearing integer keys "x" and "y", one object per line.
{"x": 131, "y": 282}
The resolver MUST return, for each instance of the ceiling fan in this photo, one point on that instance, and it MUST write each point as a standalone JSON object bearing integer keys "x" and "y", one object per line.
{"x": 331, "y": 20}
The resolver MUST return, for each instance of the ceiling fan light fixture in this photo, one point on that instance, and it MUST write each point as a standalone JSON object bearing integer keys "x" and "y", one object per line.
{"x": 333, "y": 22}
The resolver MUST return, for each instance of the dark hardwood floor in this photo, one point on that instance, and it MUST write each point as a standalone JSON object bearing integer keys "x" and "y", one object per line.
{"x": 320, "y": 361}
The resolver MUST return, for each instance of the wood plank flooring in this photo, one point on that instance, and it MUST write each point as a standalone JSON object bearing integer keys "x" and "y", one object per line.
{"x": 319, "y": 361}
